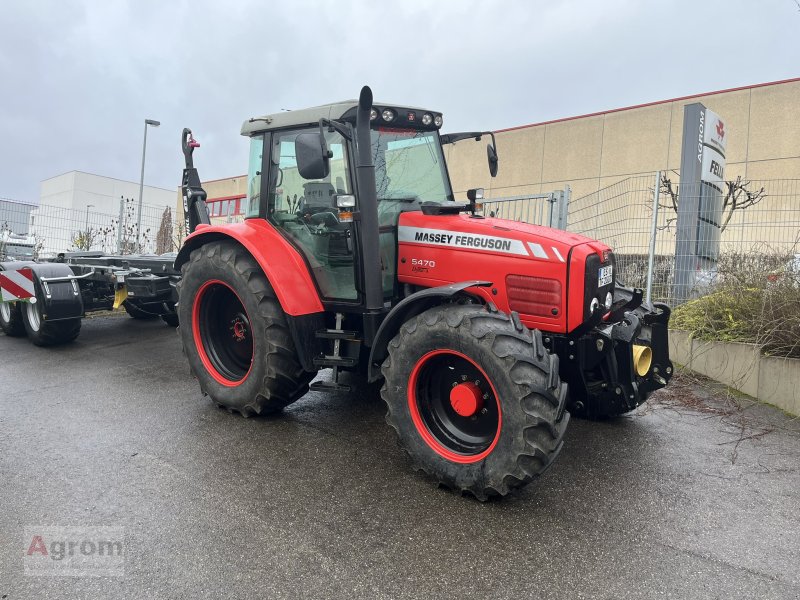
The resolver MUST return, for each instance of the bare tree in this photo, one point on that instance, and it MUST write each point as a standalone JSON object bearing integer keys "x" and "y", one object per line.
{"x": 736, "y": 196}
{"x": 84, "y": 240}
{"x": 130, "y": 242}
{"x": 165, "y": 233}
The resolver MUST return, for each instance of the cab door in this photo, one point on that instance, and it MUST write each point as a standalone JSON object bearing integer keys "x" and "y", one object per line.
{"x": 306, "y": 212}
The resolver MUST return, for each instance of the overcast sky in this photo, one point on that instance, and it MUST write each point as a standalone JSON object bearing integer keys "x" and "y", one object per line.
{"x": 78, "y": 78}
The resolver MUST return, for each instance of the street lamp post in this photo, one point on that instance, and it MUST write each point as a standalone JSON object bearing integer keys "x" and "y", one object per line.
{"x": 141, "y": 179}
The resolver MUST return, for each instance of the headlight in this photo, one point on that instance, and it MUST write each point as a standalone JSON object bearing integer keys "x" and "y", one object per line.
{"x": 594, "y": 305}
{"x": 388, "y": 115}
{"x": 373, "y": 114}
{"x": 438, "y": 120}
{"x": 609, "y": 300}
{"x": 427, "y": 119}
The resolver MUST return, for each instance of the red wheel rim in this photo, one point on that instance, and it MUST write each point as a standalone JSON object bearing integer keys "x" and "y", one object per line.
{"x": 222, "y": 333}
{"x": 460, "y": 438}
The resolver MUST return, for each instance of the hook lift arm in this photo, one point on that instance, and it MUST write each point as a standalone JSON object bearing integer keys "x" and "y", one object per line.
{"x": 195, "y": 211}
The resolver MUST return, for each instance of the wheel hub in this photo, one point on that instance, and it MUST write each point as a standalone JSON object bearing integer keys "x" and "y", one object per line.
{"x": 239, "y": 328}
{"x": 466, "y": 399}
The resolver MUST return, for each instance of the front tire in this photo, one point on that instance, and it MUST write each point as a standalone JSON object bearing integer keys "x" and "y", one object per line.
{"x": 48, "y": 333}
{"x": 475, "y": 400}
{"x": 235, "y": 334}
{"x": 11, "y": 319}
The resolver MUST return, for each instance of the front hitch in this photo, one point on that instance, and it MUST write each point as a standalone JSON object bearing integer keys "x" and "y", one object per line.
{"x": 613, "y": 365}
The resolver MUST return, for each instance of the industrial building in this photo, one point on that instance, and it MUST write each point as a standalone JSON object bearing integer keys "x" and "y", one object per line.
{"x": 77, "y": 190}
{"x": 593, "y": 151}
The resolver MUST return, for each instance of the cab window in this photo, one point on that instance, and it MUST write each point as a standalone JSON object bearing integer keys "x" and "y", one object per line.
{"x": 305, "y": 210}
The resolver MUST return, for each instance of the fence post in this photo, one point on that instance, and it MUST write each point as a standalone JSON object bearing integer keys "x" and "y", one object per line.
{"x": 653, "y": 232}
{"x": 119, "y": 224}
{"x": 563, "y": 208}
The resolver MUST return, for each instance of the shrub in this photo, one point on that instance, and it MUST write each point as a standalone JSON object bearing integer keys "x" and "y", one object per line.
{"x": 745, "y": 306}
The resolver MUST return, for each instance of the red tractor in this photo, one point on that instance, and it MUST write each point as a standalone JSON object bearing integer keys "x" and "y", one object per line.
{"x": 354, "y": 255}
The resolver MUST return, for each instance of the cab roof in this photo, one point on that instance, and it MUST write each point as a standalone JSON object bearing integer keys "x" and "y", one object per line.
{"x": 343, "y": 110}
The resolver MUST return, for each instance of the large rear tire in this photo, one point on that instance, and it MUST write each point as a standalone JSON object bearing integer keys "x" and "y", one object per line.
{"x": 11, "y": 319}
{"x": 235, "y": 334}
{"x": 48, "y": 333}
{"x": 475, "y": 399}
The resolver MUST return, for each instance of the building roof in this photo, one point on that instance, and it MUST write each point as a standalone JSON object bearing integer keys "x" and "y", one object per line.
{"x": 646, "y": 104}
{"x": 106, "y": 177}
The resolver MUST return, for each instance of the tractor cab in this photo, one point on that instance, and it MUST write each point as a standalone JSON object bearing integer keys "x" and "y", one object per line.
{"x": 310, "y": 191}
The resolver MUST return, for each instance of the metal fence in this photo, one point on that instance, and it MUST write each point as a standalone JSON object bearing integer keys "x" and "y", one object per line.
{"x": 754, "y": 226}
{"x": 121, "y": 230}
{"x": 539, "y": 209}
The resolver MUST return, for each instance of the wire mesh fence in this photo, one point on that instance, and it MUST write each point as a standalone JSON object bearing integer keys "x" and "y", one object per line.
{"x": 746, "y": 229}
{"x": 535, "y": 208}
{"x": 28, "y": 231}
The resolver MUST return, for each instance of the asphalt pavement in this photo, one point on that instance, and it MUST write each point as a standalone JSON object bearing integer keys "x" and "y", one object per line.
{"x": 683, "y": 498}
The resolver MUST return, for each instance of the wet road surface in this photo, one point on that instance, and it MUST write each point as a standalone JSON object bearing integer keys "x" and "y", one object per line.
{"x": 678, "y": 500}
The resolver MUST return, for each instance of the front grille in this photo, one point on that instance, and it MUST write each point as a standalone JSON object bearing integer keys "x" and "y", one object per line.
{"x": 538, "y": 296}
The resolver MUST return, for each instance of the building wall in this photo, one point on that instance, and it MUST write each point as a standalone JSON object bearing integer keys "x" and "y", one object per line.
{"x": 217, "y": 191}
{"x": 77, "y": 190}
{"x": 15, "y": 216}
{"x": 594, "y": 151}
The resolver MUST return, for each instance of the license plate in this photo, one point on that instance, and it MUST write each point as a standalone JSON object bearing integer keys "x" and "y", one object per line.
{"x": 605, "y": 276}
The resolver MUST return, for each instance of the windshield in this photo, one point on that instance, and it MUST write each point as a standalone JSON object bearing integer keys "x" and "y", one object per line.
{"x": 409, "y": 165}
{"x": 18, "y": 250}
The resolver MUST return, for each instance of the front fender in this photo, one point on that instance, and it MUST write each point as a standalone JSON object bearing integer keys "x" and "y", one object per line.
{"x": 407, "y": 308}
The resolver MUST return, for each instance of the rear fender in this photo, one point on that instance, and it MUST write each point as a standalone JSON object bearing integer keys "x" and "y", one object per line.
{"x": 281, "y": 262}
{"x": 58, "y": 299}
{"x": 408, "y": 308}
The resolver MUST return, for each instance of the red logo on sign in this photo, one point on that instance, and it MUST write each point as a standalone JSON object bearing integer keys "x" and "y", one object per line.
{"x": 720, "y": 129}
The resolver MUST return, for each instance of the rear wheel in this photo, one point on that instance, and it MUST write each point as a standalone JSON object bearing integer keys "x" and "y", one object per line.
{"x": 48, "y": 333}
{"x": 476, "y": 401}
{"x": 11, "y": 319}
{"x": 235, "y": 333}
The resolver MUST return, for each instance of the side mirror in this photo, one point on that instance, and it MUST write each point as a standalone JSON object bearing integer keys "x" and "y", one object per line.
{"x": 491, "y": 154}
{"x": 475, "y": 194}
{"x": 312, "y": 156}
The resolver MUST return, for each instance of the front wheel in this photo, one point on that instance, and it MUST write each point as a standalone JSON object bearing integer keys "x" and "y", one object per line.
{"x": 235, "y": 334}
{"x": 476, "y": 401}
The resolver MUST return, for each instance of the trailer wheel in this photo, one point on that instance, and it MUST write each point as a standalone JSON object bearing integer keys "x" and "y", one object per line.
{"x": 476, "y": 402}
{"x": 11, "y": 319}
{"x": 48, "y": 333}
{"x": 235, "y": 333}
{"x": 138, "y": 313}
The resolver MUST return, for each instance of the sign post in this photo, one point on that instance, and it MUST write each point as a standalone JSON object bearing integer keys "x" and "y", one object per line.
{"x": 702, "y": 182}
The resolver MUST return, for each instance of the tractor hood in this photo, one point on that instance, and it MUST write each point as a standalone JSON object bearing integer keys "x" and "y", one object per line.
{"x": 530, "y": 266}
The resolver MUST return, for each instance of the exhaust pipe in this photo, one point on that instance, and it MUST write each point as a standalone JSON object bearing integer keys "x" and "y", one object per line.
{"x": 368, "y": 225}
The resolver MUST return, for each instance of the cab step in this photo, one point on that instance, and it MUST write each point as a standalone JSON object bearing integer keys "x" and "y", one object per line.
{"x": 329, "y": 386}
{"x": 335, "y": 361}
{"x": 336, "y": 334}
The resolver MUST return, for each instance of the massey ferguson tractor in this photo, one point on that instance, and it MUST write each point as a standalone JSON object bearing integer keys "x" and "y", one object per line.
{"x": 354, "y": 255}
